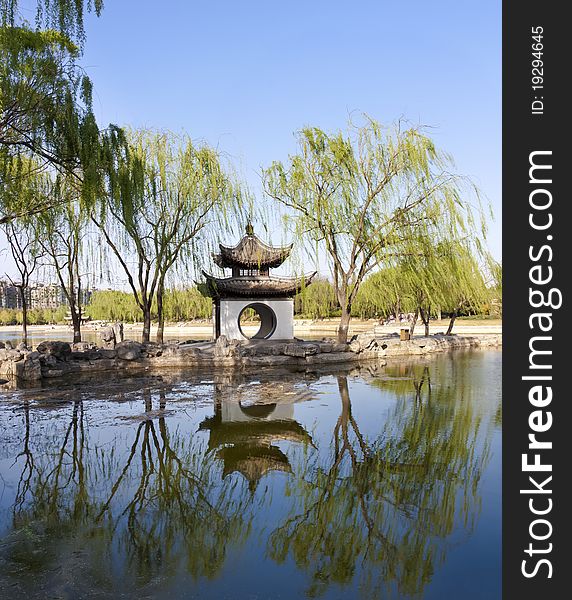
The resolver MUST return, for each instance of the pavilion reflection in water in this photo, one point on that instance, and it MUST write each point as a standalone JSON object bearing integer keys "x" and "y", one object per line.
{"x": 249, "y": 421}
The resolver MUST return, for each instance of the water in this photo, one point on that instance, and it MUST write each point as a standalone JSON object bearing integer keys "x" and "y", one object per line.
{"x": 373, "y": 483}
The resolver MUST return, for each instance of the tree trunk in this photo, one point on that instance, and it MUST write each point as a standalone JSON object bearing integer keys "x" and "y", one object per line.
{"x": 160, "y": 316}
{"x": 415, "y": 317}
{"x": 451, "y": 322}
{"x": 24, "y": 316}
{"x": 146, "y": 324}
{"x": 76, "y": 322}
{"x": 425, "y": 318}
{"x": 344, "y": 325}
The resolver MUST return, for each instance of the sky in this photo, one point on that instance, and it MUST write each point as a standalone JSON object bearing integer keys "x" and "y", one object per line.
{"x": 245, "y": 76}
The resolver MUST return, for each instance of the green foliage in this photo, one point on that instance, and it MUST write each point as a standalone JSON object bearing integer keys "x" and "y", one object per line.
{"x": 395, "y": 499}
{"x": 446, "y": 276}
{"x": 317, "y": 301}
{"x": 179, "y": 305}
{"x": 46, "y": 117}
{"x": 382, "y": 294}
{"x": 36, "y": 316}
{"x": 66, "y": 16}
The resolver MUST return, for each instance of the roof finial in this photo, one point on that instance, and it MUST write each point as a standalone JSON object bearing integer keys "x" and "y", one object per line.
{"x": 249, "y": 229}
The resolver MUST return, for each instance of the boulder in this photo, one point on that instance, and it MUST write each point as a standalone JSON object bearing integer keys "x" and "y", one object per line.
{"x": 21, "y": 347}
{"x": 301, "y": 350}
{"x": 153, "y": 349}
{"x": 11, "y": 355}
{"x": 60, "y": 350}
{"x": 326, "y": 347}
{"x": 224, "y": 347}
{"x": 81, "y": 346}
{"x": 23, "y": 365}
{"x": 85, "y": 355}
{"x": 118, "y": 331}
{"x": 129, "y": 350}
{"x": 48, "y": 361}
{"x": 337, "y": 347}
{"x": 107, "y": 336}
{"x": 30, "y": 369}
{"x": 363, "y": 341}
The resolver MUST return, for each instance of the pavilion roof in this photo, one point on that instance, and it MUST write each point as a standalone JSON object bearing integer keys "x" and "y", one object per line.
{"x": 251, "y": 252}
{"x": 256, "y": 286}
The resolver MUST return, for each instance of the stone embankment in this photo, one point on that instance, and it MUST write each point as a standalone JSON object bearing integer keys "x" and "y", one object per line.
{"x": 55, "y": 359}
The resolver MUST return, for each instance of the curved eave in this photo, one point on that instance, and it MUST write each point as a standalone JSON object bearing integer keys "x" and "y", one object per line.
{"x": 251, "y": 252}
{"x": 256, "y": 286}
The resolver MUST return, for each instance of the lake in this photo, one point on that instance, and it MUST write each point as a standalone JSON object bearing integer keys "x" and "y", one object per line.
{"x": 279, "y": 484}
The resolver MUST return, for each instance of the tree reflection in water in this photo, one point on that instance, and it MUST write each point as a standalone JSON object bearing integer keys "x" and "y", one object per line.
{"x": 122, "y": 521}
{"x": 393, "y": 502}
{"x": 171, "y": 494}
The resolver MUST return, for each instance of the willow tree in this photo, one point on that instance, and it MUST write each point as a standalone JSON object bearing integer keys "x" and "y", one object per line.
{"x": 382, "y": 294}
{"x": 46, "y": 116}
{"x": 463, "y": 281}
{"x": 167, "y": 197}
{"x": 64, "y": 16}
{"x": 366, "y": 196}
{"x": 443, "y": 276}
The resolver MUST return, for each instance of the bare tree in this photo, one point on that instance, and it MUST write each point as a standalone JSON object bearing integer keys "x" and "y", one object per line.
{"x": 26, "y": 253}
{"x": 61, "y": 234}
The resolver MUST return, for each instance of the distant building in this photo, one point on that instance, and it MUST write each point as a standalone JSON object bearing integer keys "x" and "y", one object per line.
{"x": 9, "y": 295}
{"x": 39, "y": 295}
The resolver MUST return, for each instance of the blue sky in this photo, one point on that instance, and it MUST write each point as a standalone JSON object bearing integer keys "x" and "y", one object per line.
{"x": 244, "y": 76}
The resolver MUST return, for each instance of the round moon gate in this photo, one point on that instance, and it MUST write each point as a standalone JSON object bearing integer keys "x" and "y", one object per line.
{"x": 267, "y": 321}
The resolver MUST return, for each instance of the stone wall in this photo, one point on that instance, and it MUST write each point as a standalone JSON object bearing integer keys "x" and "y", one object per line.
{"x": 55, "y": 359}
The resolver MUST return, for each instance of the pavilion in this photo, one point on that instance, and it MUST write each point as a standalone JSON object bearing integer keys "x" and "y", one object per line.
{"x": 252, "y": 287}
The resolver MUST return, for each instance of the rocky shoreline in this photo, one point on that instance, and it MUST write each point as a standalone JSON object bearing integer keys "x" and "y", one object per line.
{"x": 52, "y": 359}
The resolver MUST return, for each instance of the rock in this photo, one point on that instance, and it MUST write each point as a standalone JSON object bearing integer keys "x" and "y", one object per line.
{"x": 153, "y": 349}
{"x": 86, "y": 355}
{"x": 301, "y": 350}
{"x": 11, "y": 355}
{"x": 129, "y": 350}
{"x": 21, "y": 347}
{"x": 326, "y": 347}
{"x": 118, "y": 331}
{"x": 31, "y": 368}
{"x": 23, "y": 365}
{"x": 107, "y": 336}
{"x": 2, "y": 346}
{"x": 225, "y": 348}
{"x": 48, "y": 361}
{"x": 61, "y": 350}
{"x": 8, "y": 345}
{"x": 337, "y": 347}
{"x": 363, "y": 341}
{"x": 331, "y": 357}
{"x": 107, "y": 353}
{"x": 81, "y": 346}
